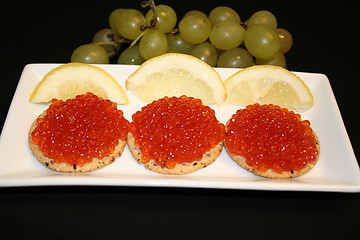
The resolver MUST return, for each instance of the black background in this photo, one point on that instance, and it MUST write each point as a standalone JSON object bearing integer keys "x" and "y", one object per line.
{"x": 326, "y": 40}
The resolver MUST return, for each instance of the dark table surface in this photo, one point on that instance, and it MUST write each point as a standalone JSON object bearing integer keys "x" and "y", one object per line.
{"x": 325, "y": 41}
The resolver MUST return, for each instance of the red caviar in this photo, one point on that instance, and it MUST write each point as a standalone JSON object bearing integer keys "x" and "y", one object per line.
{"x": 77, "y": 130}
{"x": 176, "y": 130}
{"x": 270, "y": 137}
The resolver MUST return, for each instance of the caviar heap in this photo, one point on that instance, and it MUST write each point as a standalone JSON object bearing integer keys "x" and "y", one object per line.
{"x": 77, "y": 130}
{"x": 176, "y": 130}
{"x": 270, "y": 137}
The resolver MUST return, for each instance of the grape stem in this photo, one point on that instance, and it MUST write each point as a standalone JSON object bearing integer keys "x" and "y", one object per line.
{"x": 115, "y": 43}
{"x": 144, "y": 28}
{"x": 174, "y": 31}
{"x": 138, "y": 37}
{"x": 151, "y": 4}
{"x": 243, "y": 24}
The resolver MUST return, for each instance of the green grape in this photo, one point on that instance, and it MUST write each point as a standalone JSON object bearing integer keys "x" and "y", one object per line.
{"x": 153, "y": 43}
{"x": 166, "y": 17}
{"x": 195, "y": 28}
{"x": 114, "y": 15}
{"x": 262, "y": 41}
{"x": 262, "y": 17}
{"x": 131, "y": 56}
{"x": 129, "y": 23}
{"x": 107, "y": 35}
{"x": 235, "y": 58}
{"x": 223, "y": 14}
{"x": 206, "y": 52}
{"x": 90, "y": 53}
{"x": 227, "y": 35}
{"x": 277, "y": 60}
{"x": 286, "y": 40}
{"x": 195, "y": 12}
{"x": 177, "y": 45}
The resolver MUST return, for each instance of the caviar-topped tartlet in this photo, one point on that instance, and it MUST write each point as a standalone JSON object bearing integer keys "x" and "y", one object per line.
{"x": 175, "y": 135}
{"x": 271, "y": 141}
{"x": 81, "y": 134}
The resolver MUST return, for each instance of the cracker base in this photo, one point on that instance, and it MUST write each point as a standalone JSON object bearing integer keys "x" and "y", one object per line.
{"x": 271, "y": 173}
{"x": 183, "y": 168}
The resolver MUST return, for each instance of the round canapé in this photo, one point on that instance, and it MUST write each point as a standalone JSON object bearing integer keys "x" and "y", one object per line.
{"x": 79, "y": 135}
{"x": 175, "y": 135}
{"x": 271, "y": 141}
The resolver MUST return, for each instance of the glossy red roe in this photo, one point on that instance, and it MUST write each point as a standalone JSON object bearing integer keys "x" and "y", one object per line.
{"x": 77, "y": 130}
{"x": 270, "y": 137}
{"x": 176, "y": 130}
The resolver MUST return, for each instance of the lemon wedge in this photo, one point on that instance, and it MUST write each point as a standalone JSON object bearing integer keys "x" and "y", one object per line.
{"x": 176, "y": 74}
{"x": 267, "y": 84}
{"x": 72, "y": 79}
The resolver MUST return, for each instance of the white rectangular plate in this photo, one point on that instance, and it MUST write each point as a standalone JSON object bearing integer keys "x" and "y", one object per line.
{"x": 336, "y": 171}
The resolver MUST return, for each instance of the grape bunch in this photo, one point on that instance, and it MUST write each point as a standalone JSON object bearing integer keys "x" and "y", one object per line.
{"x": 220, "y": 39}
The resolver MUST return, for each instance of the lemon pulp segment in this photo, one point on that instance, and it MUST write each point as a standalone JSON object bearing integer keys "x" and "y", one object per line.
{"x": 70, "y": 80}
{"x": 175, "y": 75}
{"x": 268, "y": 84}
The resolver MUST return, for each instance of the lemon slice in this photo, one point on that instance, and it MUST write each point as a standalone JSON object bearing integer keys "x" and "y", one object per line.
{"x": 267, "y": 84}
{"x": 71, "y": 79}
{"x": 175, "y": 74}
